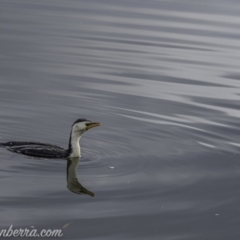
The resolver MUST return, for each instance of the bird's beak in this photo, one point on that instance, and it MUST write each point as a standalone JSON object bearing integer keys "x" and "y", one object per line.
{"x": 92, "y": 124}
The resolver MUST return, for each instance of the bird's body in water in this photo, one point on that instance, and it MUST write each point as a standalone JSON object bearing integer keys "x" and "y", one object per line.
{"x": 44, "y": 150}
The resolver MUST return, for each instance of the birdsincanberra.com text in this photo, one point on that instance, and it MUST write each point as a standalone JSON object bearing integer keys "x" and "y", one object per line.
{"x": 27, "y": 232}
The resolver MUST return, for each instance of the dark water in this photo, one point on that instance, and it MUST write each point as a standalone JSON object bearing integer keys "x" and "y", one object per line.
{"x": 162, "y": 77}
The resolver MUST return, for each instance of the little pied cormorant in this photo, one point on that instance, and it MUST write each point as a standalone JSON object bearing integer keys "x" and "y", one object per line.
{"x": 44, "y": 150}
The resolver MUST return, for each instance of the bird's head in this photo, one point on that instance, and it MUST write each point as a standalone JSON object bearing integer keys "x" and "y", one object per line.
{"x": 82, "y": 125}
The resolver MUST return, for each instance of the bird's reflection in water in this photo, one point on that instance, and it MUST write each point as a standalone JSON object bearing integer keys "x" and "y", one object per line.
{"x": 72, "y": 181}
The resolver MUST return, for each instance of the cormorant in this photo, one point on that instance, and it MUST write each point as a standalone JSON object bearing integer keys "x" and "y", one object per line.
{"x": 44, "y": 150}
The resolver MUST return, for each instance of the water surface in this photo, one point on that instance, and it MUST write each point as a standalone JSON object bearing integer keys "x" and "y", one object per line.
{"x": 163, "y": 79}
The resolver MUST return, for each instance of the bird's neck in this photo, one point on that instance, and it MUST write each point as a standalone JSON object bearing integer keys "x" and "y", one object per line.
{"x": 74, "y": 149}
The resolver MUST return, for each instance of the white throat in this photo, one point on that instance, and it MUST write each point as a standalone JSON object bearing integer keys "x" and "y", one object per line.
{"x": 76, "y": 150}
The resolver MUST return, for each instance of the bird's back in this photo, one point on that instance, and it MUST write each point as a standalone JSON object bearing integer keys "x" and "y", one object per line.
{"x": 35, "y": 149}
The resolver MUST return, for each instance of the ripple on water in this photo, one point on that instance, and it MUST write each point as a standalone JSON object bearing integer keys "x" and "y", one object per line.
{"x": 162, "y": 77}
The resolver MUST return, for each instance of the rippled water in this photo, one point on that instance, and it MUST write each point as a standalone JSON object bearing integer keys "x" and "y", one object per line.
{"x": 163, "y": 79}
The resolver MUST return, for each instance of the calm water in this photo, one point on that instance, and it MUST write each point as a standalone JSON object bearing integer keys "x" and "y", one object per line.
{"x": 162, "y": 77}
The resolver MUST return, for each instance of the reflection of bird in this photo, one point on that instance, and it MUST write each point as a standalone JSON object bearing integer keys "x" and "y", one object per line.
{"x": 72, "y": 181}
{"x": 44, "y": 150}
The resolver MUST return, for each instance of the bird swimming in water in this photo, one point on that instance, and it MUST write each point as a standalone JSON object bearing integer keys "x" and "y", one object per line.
{"x": 44, "y": 150}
